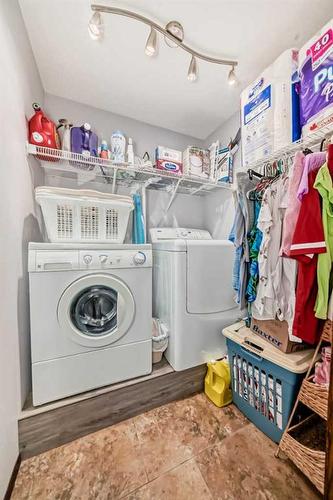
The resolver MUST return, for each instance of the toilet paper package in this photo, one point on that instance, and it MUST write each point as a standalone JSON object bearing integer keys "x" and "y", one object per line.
{"x": 316, "y": 81}
{"x": 270, "y": 109}
{"x": 196, "y": 162}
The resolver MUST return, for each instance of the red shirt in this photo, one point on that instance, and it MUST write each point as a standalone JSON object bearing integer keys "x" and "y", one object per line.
{"x": 308, "y": 241}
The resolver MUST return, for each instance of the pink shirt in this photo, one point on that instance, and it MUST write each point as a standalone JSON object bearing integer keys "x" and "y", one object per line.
{"x": 294, "y": 204}
{"x": 313, "y": 161}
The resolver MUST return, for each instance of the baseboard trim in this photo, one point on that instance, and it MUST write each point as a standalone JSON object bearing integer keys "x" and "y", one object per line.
{"x": 13, "y": 477}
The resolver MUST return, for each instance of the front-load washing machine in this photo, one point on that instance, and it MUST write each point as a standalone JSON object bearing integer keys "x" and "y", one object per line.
{"x": 90, "y": 308}
{"x": 193, "y": 293}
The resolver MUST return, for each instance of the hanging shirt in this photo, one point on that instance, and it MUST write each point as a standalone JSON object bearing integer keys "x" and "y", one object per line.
{"x": 243, "y": 221}
{"x": 254, "y": 241}
{"x": 266, "y": 304}
{"x": 308, "y": 240}
{"x": 324, "y": 186}
{"x": 293, "y": 204}
{"x": 313, "y": 161}
{"x": 236, "y": 237}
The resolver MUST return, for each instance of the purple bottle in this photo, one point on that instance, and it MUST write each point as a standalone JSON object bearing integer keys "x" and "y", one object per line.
{"x": 84, "y": 141}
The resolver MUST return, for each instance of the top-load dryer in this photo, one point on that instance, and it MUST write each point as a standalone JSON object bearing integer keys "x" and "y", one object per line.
{"x": 193, "y": 293}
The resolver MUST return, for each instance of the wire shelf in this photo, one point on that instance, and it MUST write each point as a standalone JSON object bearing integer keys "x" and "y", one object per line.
{"x": 74, "y": 165}
{"x": 312, "y": 141}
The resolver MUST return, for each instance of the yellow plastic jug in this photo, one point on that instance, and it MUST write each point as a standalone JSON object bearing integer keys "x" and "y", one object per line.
{"x": 217, "y": 383}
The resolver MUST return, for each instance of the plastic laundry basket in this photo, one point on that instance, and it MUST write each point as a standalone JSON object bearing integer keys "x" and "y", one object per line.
{"x": 78, "y": 215}
{"x": 265, "y": 381}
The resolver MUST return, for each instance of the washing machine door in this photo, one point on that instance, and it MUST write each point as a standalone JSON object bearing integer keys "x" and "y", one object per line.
{"x": 96, "y": 310}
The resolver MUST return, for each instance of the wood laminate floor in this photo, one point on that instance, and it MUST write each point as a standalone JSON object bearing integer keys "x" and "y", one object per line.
{"x": 184, "y": 450}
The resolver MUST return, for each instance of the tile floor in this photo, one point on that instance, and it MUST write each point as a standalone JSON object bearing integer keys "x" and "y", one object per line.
{"x": 185, "y": 450}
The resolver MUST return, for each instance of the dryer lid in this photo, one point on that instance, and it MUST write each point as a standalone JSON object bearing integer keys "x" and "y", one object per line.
{"x": 209, "y": 276}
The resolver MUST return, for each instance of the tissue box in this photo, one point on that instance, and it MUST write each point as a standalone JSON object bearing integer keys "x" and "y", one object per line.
{"x": 316, "y": 81}
{"x": 169, "y": 159}
{"x": 196, "y": 162}
{"x": 270, "y": 110}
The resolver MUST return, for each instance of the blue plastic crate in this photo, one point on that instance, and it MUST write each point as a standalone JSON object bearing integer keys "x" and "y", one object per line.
{"x": 262, "y": 389}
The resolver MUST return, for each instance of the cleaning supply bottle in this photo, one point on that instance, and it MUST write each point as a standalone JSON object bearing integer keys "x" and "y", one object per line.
{"x": 66, "y": 134}
{"x": 217, "y": 383}
{"x": 130, "y": 152}
{"x": 84, "y": 141}
{"x": 104, "y": 152}
{"x": 118, "y": 146}
{"x": 42, "y": 131}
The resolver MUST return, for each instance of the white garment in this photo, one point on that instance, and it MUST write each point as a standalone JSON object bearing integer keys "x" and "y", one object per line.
{"x": 277, "y": 275}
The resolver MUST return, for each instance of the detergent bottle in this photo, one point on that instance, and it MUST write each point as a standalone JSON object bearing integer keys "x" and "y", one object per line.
{"x": 43, "y": 132}
{"x": 66, "y": 134}
{"x": 84, "y": 141}
{"x": 217, "y": 383}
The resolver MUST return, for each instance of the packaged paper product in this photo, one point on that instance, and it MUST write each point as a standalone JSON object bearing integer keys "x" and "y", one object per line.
{"x": 221, "y": 163}
{"x": 316, "y": 81}
{"x": 168, "y": 159}
{"x": 196, "y": 162}
{"x": 270, "y": 109}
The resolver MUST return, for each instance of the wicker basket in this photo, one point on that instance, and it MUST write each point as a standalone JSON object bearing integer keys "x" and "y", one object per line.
{"x": 310, "y": 462}
{"x": 327, "y": 331}
{"x": 314, "y": 396}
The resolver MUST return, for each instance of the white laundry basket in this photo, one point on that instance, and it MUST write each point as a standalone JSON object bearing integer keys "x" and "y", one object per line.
{"x": 78, "y": 215}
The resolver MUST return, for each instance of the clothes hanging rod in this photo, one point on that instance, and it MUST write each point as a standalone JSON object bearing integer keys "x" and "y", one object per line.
{"x": 163, "y": 31}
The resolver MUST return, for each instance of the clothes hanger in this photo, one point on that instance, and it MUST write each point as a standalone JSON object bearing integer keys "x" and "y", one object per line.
{"x": 252, "y": 174}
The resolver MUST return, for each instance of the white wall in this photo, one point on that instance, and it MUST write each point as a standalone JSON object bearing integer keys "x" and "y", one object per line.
{"x": 20, "y": 85}
{"x": 219, "y": 206}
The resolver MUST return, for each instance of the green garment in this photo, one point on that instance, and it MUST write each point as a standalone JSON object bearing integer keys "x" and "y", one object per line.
{"x": 324, "y": 185}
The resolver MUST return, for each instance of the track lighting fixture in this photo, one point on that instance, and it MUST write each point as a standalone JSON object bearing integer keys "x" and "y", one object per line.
{"x": 173, "y": 34}
{"x": 177, "y": 31}
{"x": 192, "y": 73}
{"x": 151, "y": 44}
{"x": 95, "y": 26}
{"x": 232, "y": 79}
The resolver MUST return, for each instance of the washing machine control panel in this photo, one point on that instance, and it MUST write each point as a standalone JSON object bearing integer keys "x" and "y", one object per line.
{"x": 177, "y": 233}
{"x": 95, "y": 259}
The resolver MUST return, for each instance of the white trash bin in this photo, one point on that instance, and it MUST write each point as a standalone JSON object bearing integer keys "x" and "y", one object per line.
{"x": 160, "y": 340}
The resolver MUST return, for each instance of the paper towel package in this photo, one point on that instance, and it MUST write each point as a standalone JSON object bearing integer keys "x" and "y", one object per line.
{"x": 316, "y": 81}
{"x": 270, "y": 109}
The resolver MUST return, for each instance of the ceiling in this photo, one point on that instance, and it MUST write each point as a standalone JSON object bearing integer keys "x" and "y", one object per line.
{"x": 116, "y": 75}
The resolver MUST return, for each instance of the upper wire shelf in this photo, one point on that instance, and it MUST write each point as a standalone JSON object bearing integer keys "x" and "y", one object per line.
{"x": 87, "y": 169}
{"x": 312, "y": 141}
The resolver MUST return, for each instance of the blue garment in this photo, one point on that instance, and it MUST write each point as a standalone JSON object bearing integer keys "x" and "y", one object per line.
{"x": 254, "y": 239}
{"x": 236, "y": 237}
{"x": 138, "y": 235}
{"x": 243, "y": 222}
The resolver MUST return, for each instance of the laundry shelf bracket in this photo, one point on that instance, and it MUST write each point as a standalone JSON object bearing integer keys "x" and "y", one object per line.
{"x": 173, "y": 195}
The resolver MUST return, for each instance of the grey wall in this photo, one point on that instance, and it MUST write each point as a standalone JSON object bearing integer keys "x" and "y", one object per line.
{"x": 145, "y": 137}
{"x": 219, "y": 207}
{"x": 185, "y": 210}
{"x": 20, "y": 85}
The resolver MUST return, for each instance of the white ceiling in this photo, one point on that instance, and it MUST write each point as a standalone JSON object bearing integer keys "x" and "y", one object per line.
{"x": 117, "y": 76}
